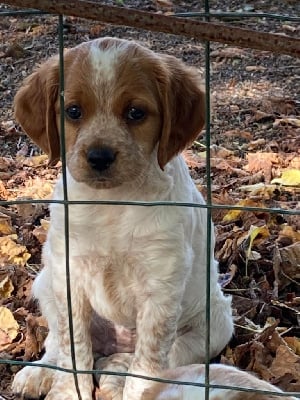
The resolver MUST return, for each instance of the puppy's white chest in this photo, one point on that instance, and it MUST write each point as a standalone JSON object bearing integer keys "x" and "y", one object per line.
{"x": 93, "y": 230}
{"x": 102, "y": 262}
{"x": 111, "y": 285}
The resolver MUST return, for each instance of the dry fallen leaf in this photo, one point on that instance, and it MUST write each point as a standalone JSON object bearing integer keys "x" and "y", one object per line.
{"x": 255, "y": 68}
{"x": 255, "y": 144}
{"x": 35, "y": 336}
{"x": 26, "y": 210}
{"x": 261, "y": 116}
{"x": 287, "y": 121}
{"x": 40, "y": 232}
{"x": 5, "y": 225}
{"x": 288, "y": 232}
{"x": 3, "y": 191}
{"x": 36, "y": 188}
{"x": 12, "y": 252}
{"x": 24, "y": 291}
{"x": 293, "y": 343}
{"x": 233, "y": 215}
{"x": 255, "y": 355}
{"x": 254, "y": 232}
{"x": 5, "y": 164}
{"x": 290, "y": 261}
{"x": 33, "y": 161}
{"x": 220, "y": 152}
{"x": 225, "y": 279}
{"x": 193, "y": 159}
{"x": 289, "y": 177}
{"x": 289, "y": 28}
{"x": 229, "y": 52}
{"x": 295, "y": 163}
{"x": 96, "y": 30}
{"x": 6, "y": 287}
{"x": 8, "y": 328}
{"x": 286, "y": 361}
{"x": 260, "y": 189}
{"x": 282, "y": 105}
{"x": 16, "y": 51}
{"x": 238, "y": 133}
{"x": 226, "y": 250}
{"x": 262, "y": 162}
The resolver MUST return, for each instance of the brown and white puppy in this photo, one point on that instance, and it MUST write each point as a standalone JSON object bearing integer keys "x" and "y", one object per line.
{"x": 128, "y": 114}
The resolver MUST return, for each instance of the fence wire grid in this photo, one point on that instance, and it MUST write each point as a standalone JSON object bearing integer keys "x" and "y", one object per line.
{"x": 209, "y": 206}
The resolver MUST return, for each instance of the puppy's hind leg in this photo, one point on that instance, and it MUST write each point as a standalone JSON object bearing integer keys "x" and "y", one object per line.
{"x": 190, "y": 347}
{"x": 33, "y": 381}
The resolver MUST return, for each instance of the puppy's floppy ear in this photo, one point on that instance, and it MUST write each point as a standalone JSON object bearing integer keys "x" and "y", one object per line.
{"x": 34, "y": 106}
{"x": 183, "y": 100}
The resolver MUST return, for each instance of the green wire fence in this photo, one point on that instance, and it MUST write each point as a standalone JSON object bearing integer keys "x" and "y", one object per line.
{"x": 206, "y": 15}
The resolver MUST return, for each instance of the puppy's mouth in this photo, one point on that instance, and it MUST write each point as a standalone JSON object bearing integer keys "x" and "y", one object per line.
{"x": 101, "y": 183}
{"x": 97, "y": 181}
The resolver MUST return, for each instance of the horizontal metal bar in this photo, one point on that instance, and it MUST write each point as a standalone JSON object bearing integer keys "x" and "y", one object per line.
{"x": 153, "y": 204}
{"x": 16, "y": 13}
{"x": 163, "y": 380}
{"x": 237, "y": 14}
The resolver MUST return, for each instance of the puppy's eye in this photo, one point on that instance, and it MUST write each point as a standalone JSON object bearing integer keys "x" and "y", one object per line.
{"x": 73, "y": 112}
{"x": 135, "y": 114}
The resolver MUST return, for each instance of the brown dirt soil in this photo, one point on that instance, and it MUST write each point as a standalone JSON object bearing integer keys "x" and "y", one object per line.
{"x": 255, "y": 161}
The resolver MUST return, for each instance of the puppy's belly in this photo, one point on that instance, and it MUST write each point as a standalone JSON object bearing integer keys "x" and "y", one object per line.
{"x": 109, "y": 338}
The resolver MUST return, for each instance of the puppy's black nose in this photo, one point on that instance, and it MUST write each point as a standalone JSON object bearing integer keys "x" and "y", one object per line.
{"x": 100, "y": 159}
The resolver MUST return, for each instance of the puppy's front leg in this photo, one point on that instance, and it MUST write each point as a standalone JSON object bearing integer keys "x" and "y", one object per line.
{"x": 63, "y": 387}
{"x": 156, "y": 329}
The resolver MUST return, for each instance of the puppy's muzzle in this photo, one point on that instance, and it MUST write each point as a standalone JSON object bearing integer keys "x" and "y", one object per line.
{"x": 101, "y": 158}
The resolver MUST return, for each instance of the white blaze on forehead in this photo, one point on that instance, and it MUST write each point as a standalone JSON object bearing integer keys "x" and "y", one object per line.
{"x": 104, "y": 61}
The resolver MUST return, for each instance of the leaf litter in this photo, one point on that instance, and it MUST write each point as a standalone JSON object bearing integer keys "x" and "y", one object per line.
{"x": 255, "y": 162}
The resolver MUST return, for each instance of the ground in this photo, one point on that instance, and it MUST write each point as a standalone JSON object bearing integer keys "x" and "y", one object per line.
{"x": 255, "y": 161}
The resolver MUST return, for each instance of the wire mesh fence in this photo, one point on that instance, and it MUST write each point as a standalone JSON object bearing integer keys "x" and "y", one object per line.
{"x": 207, "y": 15}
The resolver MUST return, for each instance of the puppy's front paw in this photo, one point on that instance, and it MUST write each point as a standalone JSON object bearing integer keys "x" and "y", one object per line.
{"x": 109, "y": 392}
{"x": 33, "y": 382}
{"x": 135, "y": 387}
{"x": 111, "y": 386}
{"x": 63, "y": 387}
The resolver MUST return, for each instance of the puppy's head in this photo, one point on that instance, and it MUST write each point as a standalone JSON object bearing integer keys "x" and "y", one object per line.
{"x": 121, "y": 100}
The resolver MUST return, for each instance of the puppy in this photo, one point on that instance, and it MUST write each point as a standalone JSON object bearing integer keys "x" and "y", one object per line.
{"x": 128, "y": 114}
{"x": 219, "y": 374}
